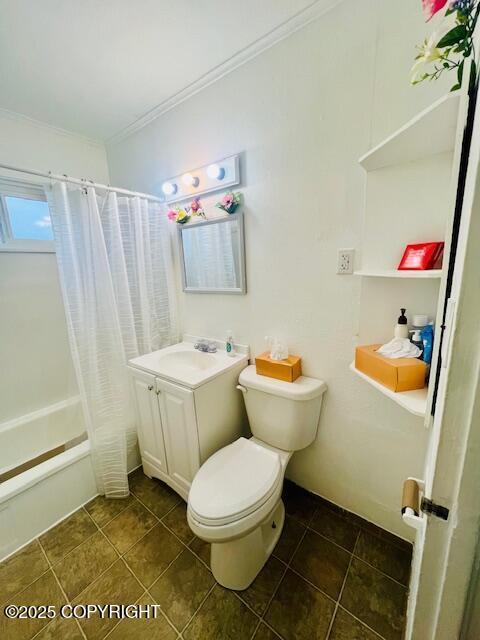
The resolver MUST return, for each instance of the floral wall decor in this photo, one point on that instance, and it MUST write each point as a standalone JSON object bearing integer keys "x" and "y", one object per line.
{"x": 182, "y": 215}
{"x": 229, "y": 202}
{"x": 449, "y": 48}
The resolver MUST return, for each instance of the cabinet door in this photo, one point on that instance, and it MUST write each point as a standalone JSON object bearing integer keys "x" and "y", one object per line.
{"x": 177, "y": 408}
{"x": 149, "y": 421}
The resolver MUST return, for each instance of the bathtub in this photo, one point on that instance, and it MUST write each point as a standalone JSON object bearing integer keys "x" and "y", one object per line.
{"x": 37, "y": 498}
{"x": 34, "y": 434}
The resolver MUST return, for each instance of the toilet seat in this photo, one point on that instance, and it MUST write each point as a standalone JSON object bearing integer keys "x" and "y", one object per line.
{"x": 235, "y": 482}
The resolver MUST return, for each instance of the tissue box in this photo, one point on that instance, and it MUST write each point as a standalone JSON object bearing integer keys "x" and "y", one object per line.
{"x": 401, "y": 374}
{"x": 288, "y": 370}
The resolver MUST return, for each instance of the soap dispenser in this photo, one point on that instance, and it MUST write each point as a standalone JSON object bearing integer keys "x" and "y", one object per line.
{"x": 401, "y": 330}
{"x": 229, "y": 344}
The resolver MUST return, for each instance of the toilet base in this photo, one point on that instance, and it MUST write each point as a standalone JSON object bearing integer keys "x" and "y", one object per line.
{"x": 236, "y": 564}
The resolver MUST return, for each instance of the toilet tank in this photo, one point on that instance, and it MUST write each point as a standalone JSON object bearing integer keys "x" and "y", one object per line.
{"x": 282, "y": 414}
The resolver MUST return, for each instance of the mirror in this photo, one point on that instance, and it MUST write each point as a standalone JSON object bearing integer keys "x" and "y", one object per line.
{"x": 213, "y": 256}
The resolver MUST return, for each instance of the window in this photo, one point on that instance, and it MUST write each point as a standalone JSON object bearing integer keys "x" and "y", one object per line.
{"x": 25, "y": 223}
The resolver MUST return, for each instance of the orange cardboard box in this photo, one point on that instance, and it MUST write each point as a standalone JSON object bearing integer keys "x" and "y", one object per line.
{"x": 401, "y": 374}
{"x": 288, "y": 370}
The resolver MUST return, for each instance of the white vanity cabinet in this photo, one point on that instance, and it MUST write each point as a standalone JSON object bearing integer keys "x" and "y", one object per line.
{"x": 180, "y": 427}
{"x": 149, "y": 421}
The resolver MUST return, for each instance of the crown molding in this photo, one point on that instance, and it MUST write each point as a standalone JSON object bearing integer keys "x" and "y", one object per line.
{"x": 282, "y": 31}
{"x": 20, "y": 117}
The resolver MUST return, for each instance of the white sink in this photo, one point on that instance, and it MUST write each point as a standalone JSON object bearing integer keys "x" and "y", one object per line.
{"x": 183, "y": 364}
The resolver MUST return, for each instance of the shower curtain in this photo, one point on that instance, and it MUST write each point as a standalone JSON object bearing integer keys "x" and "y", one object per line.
{"x": 115, "y": 268}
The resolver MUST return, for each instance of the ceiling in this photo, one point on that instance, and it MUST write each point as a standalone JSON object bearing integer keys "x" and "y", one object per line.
{"x": 95, "y": 67}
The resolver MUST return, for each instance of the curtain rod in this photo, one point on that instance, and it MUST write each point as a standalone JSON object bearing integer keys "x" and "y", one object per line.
{"x": 82, "y": 183}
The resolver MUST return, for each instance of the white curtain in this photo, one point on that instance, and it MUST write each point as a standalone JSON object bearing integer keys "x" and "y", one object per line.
{"x": 115, "y": 270}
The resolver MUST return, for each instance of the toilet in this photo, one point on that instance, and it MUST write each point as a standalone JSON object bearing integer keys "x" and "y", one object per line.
{"x": 235, "y": 498}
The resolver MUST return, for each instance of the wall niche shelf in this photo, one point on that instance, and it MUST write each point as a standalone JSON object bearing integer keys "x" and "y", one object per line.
{"x": 414, "y": 402}
{"x": 430, "y": 132}
{"x": 410, "y": 183}
{"x": 430, "y": 274}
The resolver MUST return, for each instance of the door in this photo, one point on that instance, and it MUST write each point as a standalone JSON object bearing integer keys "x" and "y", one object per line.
{"x": 444, "y": 550}
{"x": 150, "y": 433}
{"x": 179, "y": 420}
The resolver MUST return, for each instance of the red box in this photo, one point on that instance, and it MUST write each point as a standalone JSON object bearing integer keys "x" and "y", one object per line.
{"x": 422, "y": 257}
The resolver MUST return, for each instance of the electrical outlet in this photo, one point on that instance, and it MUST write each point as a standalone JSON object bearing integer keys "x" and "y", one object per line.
{"x": 345, "y": 261}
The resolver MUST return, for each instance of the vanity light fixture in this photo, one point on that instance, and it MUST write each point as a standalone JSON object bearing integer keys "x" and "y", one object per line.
{"x": 215, "y": 171}
{"x": 190, "y": 180}
{"x": 169, "y": 188}
{"x": 198, "y": 181}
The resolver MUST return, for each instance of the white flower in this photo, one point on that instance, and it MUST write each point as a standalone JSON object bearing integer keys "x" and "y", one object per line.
{"x": 428, "y": 52}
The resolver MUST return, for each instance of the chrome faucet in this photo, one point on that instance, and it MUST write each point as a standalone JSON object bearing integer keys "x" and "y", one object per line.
{"x": 206, "y": 346}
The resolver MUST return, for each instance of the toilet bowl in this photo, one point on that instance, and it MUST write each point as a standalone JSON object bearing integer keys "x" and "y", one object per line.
{"x": 235, "y": 498}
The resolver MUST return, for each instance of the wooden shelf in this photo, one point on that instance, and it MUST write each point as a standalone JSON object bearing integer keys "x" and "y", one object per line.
{"x": 430, "y": 132}
{"x": 429, "y": 274}
{"x": 414, "y": 402}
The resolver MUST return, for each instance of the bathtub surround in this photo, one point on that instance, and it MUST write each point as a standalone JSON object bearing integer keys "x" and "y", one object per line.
{"x": 332, "y": 576}
{"x": 37, "y": 372}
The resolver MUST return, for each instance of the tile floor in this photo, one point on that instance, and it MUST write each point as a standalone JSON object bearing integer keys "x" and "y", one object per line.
{"x": 332, "y": 575}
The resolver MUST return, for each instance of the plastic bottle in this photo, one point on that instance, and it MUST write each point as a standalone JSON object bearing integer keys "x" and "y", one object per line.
{"x": 416, "y": 339}
{"x": 229, "y": 344}
{"x": 401, "y": 329}
{"x": 427, "y": 340}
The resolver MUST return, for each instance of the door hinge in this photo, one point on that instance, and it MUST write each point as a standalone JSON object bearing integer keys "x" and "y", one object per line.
{"x": 433, "y": 509}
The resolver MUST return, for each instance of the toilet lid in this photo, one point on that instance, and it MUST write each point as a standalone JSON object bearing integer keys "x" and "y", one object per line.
{"x": 234, "y": 482}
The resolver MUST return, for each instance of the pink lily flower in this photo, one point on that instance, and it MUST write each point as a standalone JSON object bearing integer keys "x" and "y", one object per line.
{"x": 431, "y": 7}
{"x": 172, "y": 214}
{"x": 227, "y": 200}
{"x": 195, "y": 205}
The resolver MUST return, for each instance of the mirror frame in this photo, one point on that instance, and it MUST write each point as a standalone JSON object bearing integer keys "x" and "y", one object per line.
{"x": 242, "y": 289}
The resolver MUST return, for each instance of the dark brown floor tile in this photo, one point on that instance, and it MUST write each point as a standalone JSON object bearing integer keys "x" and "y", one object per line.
{"x": 129, "y": 526}
{"x": 67, "y": 535}
{"x": 115, "y": 586}
{"x": 44, "y": 590}
{"x": 258, "y": 594}
{"x": 346, "y": 627}
{"x": 102, "y": 509}
{"x": 288, "y": 542}
{"x": 322, "y": 562}
{"x": 335, "y": 527}
{"x": 375, "y": 530}
{"x": 331, "y": 506}
{"x": 152, "y": 554}
{"x": 298, "y": 611}
{"x": 176, "y": 520}
{"x": 299, "y": 503}
{"x": 61, "y": 629}
{"x": 392, "y": 560}
{"x": 21, "y": 569}
{"x": 144, "y": 628}
{"x": 222, "y": 616}
{"x": 375, "y": 599}
{"x": 154, "y": 494}
{"x": 84, "y": 564}
{"x": 264, "y": 633}
{"x": 201, "y": 549}
{"x": 181, "y": 589}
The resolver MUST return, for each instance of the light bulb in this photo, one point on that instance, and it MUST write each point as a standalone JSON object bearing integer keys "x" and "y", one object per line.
{"x": 215, "y": 172}
{"x": 169, "y": 188}
{"x": 190, "y": 180}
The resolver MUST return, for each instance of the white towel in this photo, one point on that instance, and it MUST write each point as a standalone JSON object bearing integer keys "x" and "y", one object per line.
{"x": 400, "y": 348}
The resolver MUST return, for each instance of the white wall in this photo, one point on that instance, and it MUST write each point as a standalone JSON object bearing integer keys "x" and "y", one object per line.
{"x": 302, "y": 113}
{"x": 36, "y": 363}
